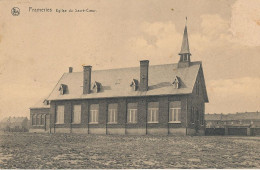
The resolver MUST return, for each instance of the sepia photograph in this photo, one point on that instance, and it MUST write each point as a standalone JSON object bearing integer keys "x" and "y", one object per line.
{"x": 129, "y": 84}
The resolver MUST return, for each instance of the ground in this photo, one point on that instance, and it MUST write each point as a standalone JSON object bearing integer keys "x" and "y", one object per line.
{"x": 28, "y": 150}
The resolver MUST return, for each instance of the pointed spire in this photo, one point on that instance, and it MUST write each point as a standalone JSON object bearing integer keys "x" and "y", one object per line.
{"x": 185, "y": 50}
{"x": 185, "y": 42}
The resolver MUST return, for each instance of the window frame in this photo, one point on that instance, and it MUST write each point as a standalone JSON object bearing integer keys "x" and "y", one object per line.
{"x": 132, "y": 112}
{"x": 73, "y": 116}
{"x": 112, "y": 113}
{"x": 34, "y": 117}
{"x": 57, "y": 117}
{"x": 42, "y": 119}
{"x": 93, "y": 112}
{"x": 112, "y": 116}
{"x": 38, "y": 120}
{"x": 153, "y": 112}
{"x": 172, "y": 113}
{"x": 132, "y": 116}
{"x": 185, "y": 58}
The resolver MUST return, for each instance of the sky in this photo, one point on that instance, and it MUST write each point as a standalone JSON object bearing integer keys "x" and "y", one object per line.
{"x": 36, "y": 48}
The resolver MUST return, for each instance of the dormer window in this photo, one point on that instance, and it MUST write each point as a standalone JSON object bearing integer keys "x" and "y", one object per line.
{"x": 96, "y": 87}
{"x": 63, "y": 89}
{"x": 134, "y": 84}
{"x": 46, "y": 102}
{"x": 176, "y": 82}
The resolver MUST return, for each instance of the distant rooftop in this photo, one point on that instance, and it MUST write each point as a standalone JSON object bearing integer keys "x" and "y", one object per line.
{"x": 14, "y": 119}
{"x": 234, "y": 116}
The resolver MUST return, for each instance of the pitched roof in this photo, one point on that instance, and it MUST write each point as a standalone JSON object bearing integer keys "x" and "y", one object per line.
{"x": 185, "y": 42}
{"x": 40, "y": 104}
{"x": 116, "y": 82}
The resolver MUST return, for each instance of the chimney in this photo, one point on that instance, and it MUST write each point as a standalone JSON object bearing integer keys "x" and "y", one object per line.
{"x": 144, "y": 66}
{"x": 70, "y": 69}
{"x": 86, "y": 79}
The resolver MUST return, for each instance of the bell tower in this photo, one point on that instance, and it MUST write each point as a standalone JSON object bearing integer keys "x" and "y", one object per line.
{"x": 185, "y": 50}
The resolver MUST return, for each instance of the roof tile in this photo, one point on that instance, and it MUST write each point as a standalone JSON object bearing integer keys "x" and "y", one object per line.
{"x": 115, "y": 82}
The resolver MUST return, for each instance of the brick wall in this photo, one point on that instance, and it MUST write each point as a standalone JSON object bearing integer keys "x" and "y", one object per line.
{"x": 142, "y": 104}
{"x": 196, "y": 104}
{"x": 39, "y": 112}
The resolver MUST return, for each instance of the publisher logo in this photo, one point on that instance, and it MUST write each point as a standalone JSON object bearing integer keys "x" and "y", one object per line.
{"x": 15, "y": 11}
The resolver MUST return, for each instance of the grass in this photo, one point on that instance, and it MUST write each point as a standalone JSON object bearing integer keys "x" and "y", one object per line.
{"x": 27, "y": 150}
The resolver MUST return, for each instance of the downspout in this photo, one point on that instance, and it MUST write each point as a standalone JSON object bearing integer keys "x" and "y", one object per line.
{"x": 88, "y": 113}
{"x": 106, "y": 116}
{"x": 45, "y": 122}
{"x": 146, "y": 113}
{"x": 55, "y": 115}
{"x": 186, "y": 116}
{"x": 71, "y": 116}
{"x": 125, "y": 116}
{"x": 168, "y": 117}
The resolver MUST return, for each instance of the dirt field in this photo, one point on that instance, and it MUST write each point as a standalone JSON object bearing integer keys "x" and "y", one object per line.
{"x": 27, "y": 150}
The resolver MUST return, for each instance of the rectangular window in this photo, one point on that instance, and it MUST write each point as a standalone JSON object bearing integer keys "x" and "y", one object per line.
{"x": 94, "y": 110}
{"x": 38, "y": 120}
{"x": 112, "y": 113}
{"x": 60, "y": 115}
{"x": 132, "y": 112}
{"x": 153, "y": 112}
{"x": 43, "y": 119}
{"x": 175, "y": 115}
{"x": 175, "y": 112}
{"x": 76, "y": 114}
{"x": 34, "y": 120}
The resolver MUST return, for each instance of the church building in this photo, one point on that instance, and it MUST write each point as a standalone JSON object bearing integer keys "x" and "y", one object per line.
{"x": 149, "y": 99}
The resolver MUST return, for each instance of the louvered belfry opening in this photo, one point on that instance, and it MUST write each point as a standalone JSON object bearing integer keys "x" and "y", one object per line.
{"x": 87, "y": 79}
{"x": 144, "y": 69}
{"x": 70, "y": 69}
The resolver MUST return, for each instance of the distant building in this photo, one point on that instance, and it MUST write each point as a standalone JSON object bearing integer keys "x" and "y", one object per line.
{"x": 40, "y": 117}
{"x": 15, "y": 124}
{"x": 157, "y": 99}
{"x": 246, "y": 119}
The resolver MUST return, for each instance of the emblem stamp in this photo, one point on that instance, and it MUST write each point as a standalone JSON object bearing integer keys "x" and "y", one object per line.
{"x": 15, "y": 11}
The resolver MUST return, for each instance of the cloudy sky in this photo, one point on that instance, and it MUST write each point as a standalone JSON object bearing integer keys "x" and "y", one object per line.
{"x": 36, "y": 48}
